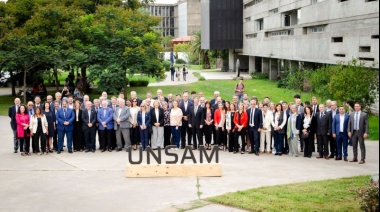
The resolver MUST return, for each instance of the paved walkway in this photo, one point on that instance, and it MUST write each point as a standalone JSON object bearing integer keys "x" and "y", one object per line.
{"x": 97, "y": 182}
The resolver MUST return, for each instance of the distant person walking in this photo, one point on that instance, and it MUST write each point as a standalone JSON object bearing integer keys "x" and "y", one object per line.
{"x": 172, "y": 71}
{"x": 239, "y": 90}
{"x": 184, "y": 72}
{"x": 178, "y": 74}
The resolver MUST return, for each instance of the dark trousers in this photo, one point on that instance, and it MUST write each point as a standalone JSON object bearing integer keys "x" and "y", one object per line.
{"x": 186, "y": 129}
{"x": 342, "y": 143}
{"x": 302, "y": 143}
{"x": 221, "y": 137}
{"x": 38, "y": 137}
{"x": 323, "y": 148}
{"x": 35, "y": 146}
{"x": 286, "y": 145}
{"x": 231, "y": 139}
{"x": 208, "y": 133}
{"x": 144, "y": 137}
{"x": 358, "y": 138}
{"x": 333, "y": 149}
{"x": 55, "y": 140}
{"x": 77, "y": 136}
{"x": 69, "y": 138}
{"x": 89, "y": 137}
{"x": 242, "y": 134}
{"x": 167, "y": 136}
{"x": 309, "y": 144}
{"x": 176, "y": 135}
{"x": 25, "y": 144}
{"x": 113, "y": 139}
{"x": 105, "y": 137}
{"x": 278, "y": 141}
{"x": 197, "y": 136}
{"x": 214, "y": 136}
{"x": 253, "y": 134}
{"x": 135, "y": 135}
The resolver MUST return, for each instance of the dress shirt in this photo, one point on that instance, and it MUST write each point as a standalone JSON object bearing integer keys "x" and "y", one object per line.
{"x": 157, "y": 114}
{"x": 89, "y": 115}
{"x": 222, "y": 117}
{"x": 341, "y": 127}
{"x": 77, "y": 115}
{"x": 143, "y": 118}
{"x": 185, "y": 104}
{"x": 356, "y": 121}
{"x": 120, "y": 109}
{"x": 252, "y": 122}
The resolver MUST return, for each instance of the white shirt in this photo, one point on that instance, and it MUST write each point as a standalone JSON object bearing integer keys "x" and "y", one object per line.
{"x": 252, "y": 120}
{"x": 185, "y": 104}
{"x": 157, "y": 114}
{"x": 306, "y": 122}
{"x": 341, "y": 127}
{"x": 77, "y": 115}
{"x": 120, "y": 109}
{"x": 143, "y": 118}
{"x": 221, "y": 120}
{"x": 89, "y": 115}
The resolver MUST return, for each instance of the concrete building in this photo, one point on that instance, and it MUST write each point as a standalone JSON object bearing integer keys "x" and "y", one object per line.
{"x": 286, "y": 34}
{"x": 167, "y": 25}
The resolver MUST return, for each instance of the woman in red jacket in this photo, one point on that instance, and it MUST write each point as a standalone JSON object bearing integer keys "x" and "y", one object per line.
{"x": 241, "y": 122}
{"x": 23, "y": 132}
{"x": 220, "y": 126}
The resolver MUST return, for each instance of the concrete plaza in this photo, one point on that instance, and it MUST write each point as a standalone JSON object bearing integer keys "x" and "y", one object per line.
{"x": 97, "y": 182}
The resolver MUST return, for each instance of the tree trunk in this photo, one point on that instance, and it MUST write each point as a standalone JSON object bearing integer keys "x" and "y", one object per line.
{"x": 84, "y": 78}
{"x": 25, "y": 86}
{"x": 55, "y": 72}
{"x": 13, "y": 83}
{"x": 125, "y": 85}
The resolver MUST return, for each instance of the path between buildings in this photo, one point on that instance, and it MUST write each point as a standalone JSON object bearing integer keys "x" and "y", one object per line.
{"x": 97, "y": 182}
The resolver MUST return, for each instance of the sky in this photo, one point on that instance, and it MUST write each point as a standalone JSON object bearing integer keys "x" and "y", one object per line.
{"x": 165, "y": 1}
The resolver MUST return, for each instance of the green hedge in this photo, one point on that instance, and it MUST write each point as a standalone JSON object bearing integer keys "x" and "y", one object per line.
{"x": 139, "y": 83}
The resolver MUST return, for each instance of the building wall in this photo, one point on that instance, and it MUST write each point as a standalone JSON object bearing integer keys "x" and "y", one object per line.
{"x": 182, "y": 19}
{"x": 193, "y": 16}
{"x": 167, "y": 25}
{"x": 306, "y": 30}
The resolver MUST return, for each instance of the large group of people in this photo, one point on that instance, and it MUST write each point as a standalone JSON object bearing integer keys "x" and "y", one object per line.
{"x": 188, "y": 119}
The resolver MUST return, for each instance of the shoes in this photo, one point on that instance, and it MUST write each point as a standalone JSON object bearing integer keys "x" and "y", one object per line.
{"x": 71, "y": 151}
{"x": 23, "y": 154}
{"x": 319, "y": 157}
{"x": 242, "y": 152}
{"x": 87, "y": 151}
{"x": 119, "y": 149}
{"x": 338, "y": 158}
{"x": 15, "y": 151}
{"x": 58, "y": 152}
{"x": 257, "y": 154}
{"x": 354, "y": 160}
{"x": 345, "y": 159}
{"x": 362, "y": 162}
{"x": 331, "y": 156}
{"x": 93, "y": 151}
{"x": 327, "y": 157}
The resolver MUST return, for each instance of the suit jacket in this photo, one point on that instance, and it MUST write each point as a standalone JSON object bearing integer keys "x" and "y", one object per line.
{"x": 317, "y": 110}
{"x": 336, "y": 124}
{"x": 87, "y": 120}
{"x": 363, "y": 123}
{"x": 147, "y": 119}
{"x": 166, "y": 99}
{"x": 160, "y": 119}
{"x": 70, "y": 117}
{"x": 258, "y": 118}
{"x": 300, "y": 109}
{"x": 124, "y": 118}
{"x": 313, "y": 125}
{"x": 213, "y": 102}
{"x": 12, "y": 114}
{"x": 34, "y": 124}
{"x": 108, "y": 118}
{"x": 52, "y": 105}
{"x": 186, "y": 112}
{"x": 323, "y": 124}
{"x": 40, "y": 106}
{"x": 198, "y": 119}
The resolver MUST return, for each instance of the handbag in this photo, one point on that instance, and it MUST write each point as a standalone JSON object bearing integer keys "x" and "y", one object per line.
{"x": 305, "y": 136}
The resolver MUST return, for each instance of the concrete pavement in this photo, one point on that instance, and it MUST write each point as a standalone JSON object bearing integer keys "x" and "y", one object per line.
{"x": 97, "y": 182}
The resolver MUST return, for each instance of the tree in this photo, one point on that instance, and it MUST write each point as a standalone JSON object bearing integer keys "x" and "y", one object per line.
{"x": 196, "y": 49}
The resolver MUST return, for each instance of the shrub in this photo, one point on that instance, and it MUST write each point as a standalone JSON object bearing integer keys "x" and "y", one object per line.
{"x": 139, "y": 83}
{"x": 282, "y": 83}
{"x": 259, "y": 75}
{"x": 180, "y": 61}
{"x": 369, "y": 197}
{"x": 202, "y": 78}
{"x": 196, "y": 74}
{"x": 166, "y": 64}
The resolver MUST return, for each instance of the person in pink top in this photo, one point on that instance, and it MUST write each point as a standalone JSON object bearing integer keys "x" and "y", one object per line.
{"x": 23, "y": 132}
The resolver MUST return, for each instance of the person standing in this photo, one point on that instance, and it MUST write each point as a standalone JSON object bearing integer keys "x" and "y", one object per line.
{"x": 332, "y": 140}
{"x": 239, "y": 89}
{"x": 12, "y": 111}
{"x": 157, "y": 119}
{"x": 122, "y": 125}
{"x": 358, "y": 130}
{"x": 196, "y": 123}
{"x": 308, "y": 130}
{"x": 172, "y": 72}
{"x": 65, "y": 120}
{"x": 38, "y": 130}
{"x": 184, "y": 72}
{"x": 178, "y": 74}
{"x": 340, "y": 133}
{"x": 78, "y": 128}
{"x": 208, "y": 124}
{"x": 134, "y": 131}
{"x": 105, "y": 119}
{"x": 255, "y": 123}
{"x": 144, "y": 120}
{"x": 230, "y": 126}
{"x": 176, "y": 123}
{"x": 50, "y": 117}
{"x": 323, "y": 130}
{"x": 241, "y": 123}
{"x": 89, "y": 117}
{"x": 185, "y": 106}
{"x": 220, "y": 126}
{"x": 167, "y": 128}
{"x": 294, "y": 127}
{"x": 278, "y": 122}
{"x": 22, "y": 121}
{"x": 265, "y": 134}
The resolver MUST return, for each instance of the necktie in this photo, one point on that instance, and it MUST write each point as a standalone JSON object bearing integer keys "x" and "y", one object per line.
{"x": 196, "y": 109}
{"x": 64, "y": 113}
{"x": 357, "y": 121}
{"x": 252, "y": 117}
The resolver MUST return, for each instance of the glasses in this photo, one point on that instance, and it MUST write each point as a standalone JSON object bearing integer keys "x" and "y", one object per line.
{"x": 142, "y": 106}
{"x": 30, "y": 105}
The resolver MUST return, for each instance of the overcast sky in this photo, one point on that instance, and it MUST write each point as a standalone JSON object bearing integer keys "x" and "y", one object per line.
{"x": 165, "y": 1}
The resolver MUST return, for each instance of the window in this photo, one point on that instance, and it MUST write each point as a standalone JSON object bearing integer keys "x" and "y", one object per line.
{"x": 250, "y": 4}
{"x": 339, "y": 55}
{"x": 337, "y": 39}
{"x": 291, "y": 18}
{"x": 287, "y": 20}
{"x": 364, "y": 49}
{"x": 367, "y": 59}
{"x": 259, "y": 24}
{"x": 251, "y": 36}
{"x": 274, "y": 11}
{"x": 279, "y": 33}
{"x": 370, "y": 0}
{"x": 375, "y": 36}
{"x": 317, "y": 29}
{"x": 248, "y": 19}
{"x": 342, "y": 0}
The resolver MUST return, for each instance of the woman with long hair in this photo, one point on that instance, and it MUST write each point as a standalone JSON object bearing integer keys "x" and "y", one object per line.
{"x": 23, "y": 133}
{"x": 294, "y": 128}
{"x": 230, "y": 126}
{"x": 176, "y": 123}
{"x": 50, "y": 117}
{"x": 135, "y": 135}
{"x": 157, "y": 119}
{"x": 78, "y": 130}
{"x": 209, "y": 120}
{"x": 39, "y": 129}
{"x": 143, "y": 120}
{"x": 241, "y": 123}
{"x": 278, "y": 122}
{"x": 167, "y": 128}
{"x": 265, "y": 134}
{"x": 220, "y": 126}
{"x": 307, "y": 130}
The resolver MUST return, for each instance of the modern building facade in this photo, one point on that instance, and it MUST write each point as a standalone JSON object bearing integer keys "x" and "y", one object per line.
{"x": 287, "y": 34}
{"x": 167, "y": 25}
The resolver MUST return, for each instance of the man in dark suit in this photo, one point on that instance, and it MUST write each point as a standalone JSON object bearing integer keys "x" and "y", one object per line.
{"x": 255, "y": 124}
{"x": 323, "y": 130}
{"x": 89, "y": 117}
{"x": 340, "y": 133}
{"x": 196, "y": 122}
{"x": 58, "y": 97}
{"x": 65, "y": 120}
{"x": 12, "y": 110}
{"x": 159, "y": 94}
{"x": 333, "y": 145}
{"x": 215, "y": 100}
{"x": 37, "y": 103}
{"x": 185, "y": 106}
{"x": 106, "y": 127}
{"x": 315, "y": 105}
{"x": 287, "y": 112}
{"x": 358, "y": 130}
{"x": 134, "y": 97}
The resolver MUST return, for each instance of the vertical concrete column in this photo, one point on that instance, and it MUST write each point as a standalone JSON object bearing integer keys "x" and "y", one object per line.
{"x": 252, "y": 64}
{"x": 274, "y": 69}
{"x": 232, "y": 60}
{"x": 265, "y": 65}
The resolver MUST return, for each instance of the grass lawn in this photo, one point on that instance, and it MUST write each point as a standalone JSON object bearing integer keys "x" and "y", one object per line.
{"x": 327, "y": 195}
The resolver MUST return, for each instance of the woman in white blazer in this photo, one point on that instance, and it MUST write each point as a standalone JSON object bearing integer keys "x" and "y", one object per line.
{"x": 38, "y": 130}
{"x": 265, "y": 134}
